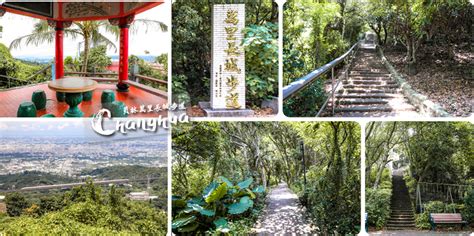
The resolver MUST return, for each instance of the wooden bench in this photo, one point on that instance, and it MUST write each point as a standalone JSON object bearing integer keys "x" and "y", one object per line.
{"x": 446, "y": 218}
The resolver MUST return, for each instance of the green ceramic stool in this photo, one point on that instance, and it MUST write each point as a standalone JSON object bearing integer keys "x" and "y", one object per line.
{"x": 39, "y": 99}
{"x": 87, "y": 96}
{"x": 61, "y": 97}
{"x": 118, "y": 109}
{"x": 26, "y": 109}
{"x": 48, "y": 116}
{"x": 108, "y": 96}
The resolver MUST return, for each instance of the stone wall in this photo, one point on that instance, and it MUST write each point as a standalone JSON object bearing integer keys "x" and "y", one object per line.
{"x": 420, "y": 101}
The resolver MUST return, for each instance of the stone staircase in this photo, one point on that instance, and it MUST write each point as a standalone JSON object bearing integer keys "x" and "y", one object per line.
{"x": 402, "y": 216}
{"x": 369, "y": 90}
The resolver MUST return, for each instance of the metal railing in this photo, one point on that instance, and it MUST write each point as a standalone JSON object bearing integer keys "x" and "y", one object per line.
{"x": 444, "y": 192}
{"x": 298, "y": 85}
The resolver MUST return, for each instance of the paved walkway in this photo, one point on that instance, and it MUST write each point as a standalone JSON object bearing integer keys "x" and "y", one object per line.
{"x": 419, "y": 233}
{"x": 283, "y": 214}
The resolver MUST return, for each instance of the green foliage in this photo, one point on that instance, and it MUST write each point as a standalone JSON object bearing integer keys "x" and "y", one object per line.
{"x": 29, "y": 178}
{"x": 269, "y": 153}
{"x": 307, "y": 102}
{"x": 16, "y": 203}
{"x": 98, "y": 61}
{"x": 86, "y": 210}
{"x": 8, "y": 66}
{"x": 422, "y": 220}
{"x": 192, "y": 39}
{"x": 316, "y": 33}
{"x": 219, "y": 204}
{"x": 180, "y": 94}
{"x": 378, "y": 206}
{"x": 144, "y": 68}
{"x": 468, "y": 212}
{"x": 261, "y": 56}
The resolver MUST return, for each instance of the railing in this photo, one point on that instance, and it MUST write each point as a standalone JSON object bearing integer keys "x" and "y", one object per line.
{"x": 134, "y": 80}
{"x": 444, "y": 192}
{"x": 296, "y": 86}
{"x": 9, "y": 82}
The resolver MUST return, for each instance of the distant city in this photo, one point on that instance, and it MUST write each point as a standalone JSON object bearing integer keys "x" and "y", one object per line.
{"x": 70, "y": 156}
{"x": 48, "y": 59}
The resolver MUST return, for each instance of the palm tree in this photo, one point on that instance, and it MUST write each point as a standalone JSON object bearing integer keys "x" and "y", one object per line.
{"x": 90, "y": 31}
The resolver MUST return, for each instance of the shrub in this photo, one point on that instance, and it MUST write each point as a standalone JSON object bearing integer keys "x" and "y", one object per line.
{"x": 422, "y": 220}
{"x": 378, "y": 206}
{"x": 220, "y": 202}
{"x": 307, "y": 102}
{"x": 261, "y": 62}
{"x": 468, "y": 212}
{"x": 180, "y": 94}
{"x": 8, "y": 66}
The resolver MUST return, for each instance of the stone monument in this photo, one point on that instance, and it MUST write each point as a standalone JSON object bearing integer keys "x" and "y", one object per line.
{"x": 228, "y": 63}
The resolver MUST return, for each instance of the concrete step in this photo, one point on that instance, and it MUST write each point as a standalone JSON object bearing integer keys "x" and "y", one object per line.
{"x": 363, "y": 86}
{"x": 369, "y": 74}
{"x": 357, "y": 90}
{"x": 398, "y": 221}
{"x": 362, "y": 101}
{"x": 371, "y": 108}
{"x": 401, "y": 225}
{"x": 398, "y": 217}
{"x": 359, "y": 77}
{"x": 372, "y": 69}
{"x": 364, "y": 109}
{"x": 400, "y": 228}
{"x": 368, "y": 96}
{"x": 369, "y": 82}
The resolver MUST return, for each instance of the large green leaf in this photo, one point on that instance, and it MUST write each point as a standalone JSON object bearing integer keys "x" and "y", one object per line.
{"x": 217, "y": 193}
{"x": 209, "y": 189}
{"x": 259, "y": 189}
{"x": 221, "y": 225}
{"x": 182, "y": 221}
{"x": 227, "y": 181}
{"x": 202, "y": 210}
{"x": 246, "y": 183}
{"x": 240, "y": 207}
{"x": 189, "y": 228}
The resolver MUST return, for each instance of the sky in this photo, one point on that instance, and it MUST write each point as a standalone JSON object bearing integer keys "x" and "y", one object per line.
{"x": 156, "y": 42}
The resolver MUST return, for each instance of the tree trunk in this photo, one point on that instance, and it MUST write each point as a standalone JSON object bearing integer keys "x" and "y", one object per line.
{"x": 86, "y": 53}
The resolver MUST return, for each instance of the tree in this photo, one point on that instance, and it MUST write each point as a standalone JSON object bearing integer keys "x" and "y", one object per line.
{"x": 16, "y": 203}
{"x": 89, "y": 31}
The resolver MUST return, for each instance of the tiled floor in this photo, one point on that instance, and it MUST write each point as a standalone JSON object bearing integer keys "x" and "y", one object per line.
{"x": 11, "y": 99}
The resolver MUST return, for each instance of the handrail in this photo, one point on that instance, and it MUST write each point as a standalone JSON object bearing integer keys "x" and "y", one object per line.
{"x": 159, "y": 81}
{"x": 301, "y": 83}
{"x": 90, "y": 73}
{"x": 40, "y": 71}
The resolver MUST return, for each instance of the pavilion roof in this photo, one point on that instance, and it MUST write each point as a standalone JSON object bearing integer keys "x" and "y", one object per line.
{"x": 77, "y": 11}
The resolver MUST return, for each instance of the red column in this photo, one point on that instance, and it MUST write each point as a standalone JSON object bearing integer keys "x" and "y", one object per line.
{"x": 59, "y": 60}
{"x": 122, "y": 86}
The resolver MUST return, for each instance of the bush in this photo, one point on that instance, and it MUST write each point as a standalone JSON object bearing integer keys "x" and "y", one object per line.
{"x": 378, "y": 206}
{"x": 220, "y": 202}
{"x": 8, "y": 66}
{"x": 468, "y": 212}
{"x": 261, "y": 62}
{"x": 422, "y": 220}
{"x": 180, "y": 94}
{"x": 307, "y": 102}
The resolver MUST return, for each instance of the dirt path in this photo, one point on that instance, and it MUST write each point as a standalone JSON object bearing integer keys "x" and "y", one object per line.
{"x": 283, "y": 214}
